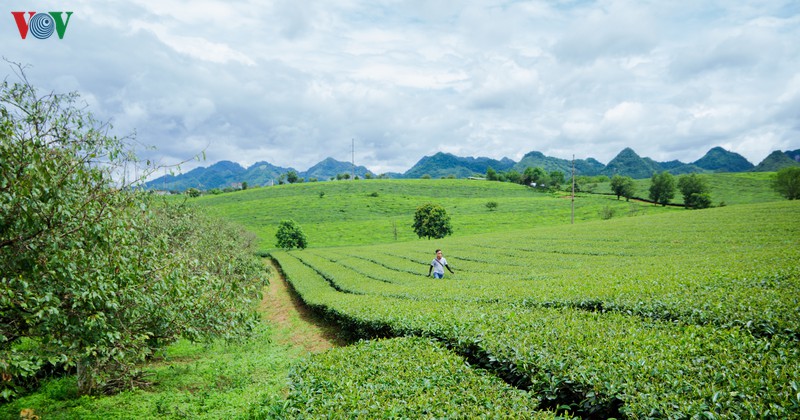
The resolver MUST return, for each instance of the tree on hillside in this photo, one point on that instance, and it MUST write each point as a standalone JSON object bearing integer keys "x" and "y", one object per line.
{"x": 491, "y": 174}
{"x": 513, "y": 176}
{"x": 662, "y": 188}
{"x": 696, "y": 192}
{"x": 95, "y": 279}
{"x": 292, "y": 177}
{"x": 290, "y": 235}
{"x": 787, "y": 182}
{"x": 432, "y": 221}
{"x": 623, "y": 186}
{"x": 557, "y": 179}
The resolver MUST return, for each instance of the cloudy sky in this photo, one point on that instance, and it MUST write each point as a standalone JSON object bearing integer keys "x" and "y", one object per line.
{"x": 292, "y": 82}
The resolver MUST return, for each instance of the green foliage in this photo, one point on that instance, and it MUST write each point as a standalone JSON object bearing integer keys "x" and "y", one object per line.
{"x": 194, "y": 192}
{"x": 607, "y": 212}
{"x": 695, "y": 190}
{"x": 292, "y": 177}
{"x": 635, "y": 317}
{"x": 355, "y": 218}
{"x": 557, "y": 179}
{"x": 787, "y": 183}
{"x": 662, "y": 188}
{"x": 535, "y": 176}
{"x": 432, "y": 221}
{"x": 491, "y": 205}
{"x": 93, "y": 278}
{"x": 218, "y": 380}
{"x": 730, "y": 188}
{"x": 623, "y": 186}
{"x": 290, "y": 235}
{"x": 398, "y": 378}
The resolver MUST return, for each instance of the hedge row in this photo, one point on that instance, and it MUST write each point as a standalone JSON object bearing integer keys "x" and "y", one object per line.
{"x": 399, "y": 378}
{"x": 595, "y": 363}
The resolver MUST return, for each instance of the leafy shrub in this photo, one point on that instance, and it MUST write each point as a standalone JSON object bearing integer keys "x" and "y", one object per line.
{"x": 398, "y": 378}
{"x": 787, "y": 182}
{"x": 94, "y": 278}
{"x": 290, "y": 235}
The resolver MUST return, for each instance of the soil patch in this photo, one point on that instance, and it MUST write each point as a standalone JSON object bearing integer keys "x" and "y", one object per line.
{"x": 295, "y": 323}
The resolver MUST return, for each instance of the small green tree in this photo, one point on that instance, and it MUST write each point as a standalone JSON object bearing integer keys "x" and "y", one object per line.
{"x": 623, "y": 186}
{"x": 535, "y": 176}
{"x": 695, "y": 191}
{"x": 557, "y": 179}
{"x": 491, "y": 205}
{"x": 290, "y": 235}
{"x": 292, "y": 177}
{"x": 194, "y": 192}
{"x": 432, "y": 221}
{"x": 787, "y": 182}
{"x": 491, "y": 174}
{"x": 662, "y": 188}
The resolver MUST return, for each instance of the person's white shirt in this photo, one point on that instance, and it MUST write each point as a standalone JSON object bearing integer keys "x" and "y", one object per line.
{"x": 438, "y": 265}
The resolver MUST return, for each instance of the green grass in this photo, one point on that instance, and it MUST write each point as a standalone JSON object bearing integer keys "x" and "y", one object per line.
{"x": 379, "y": 211}
{"x": 726, "y": 188}
{"x": 215, "y": 381}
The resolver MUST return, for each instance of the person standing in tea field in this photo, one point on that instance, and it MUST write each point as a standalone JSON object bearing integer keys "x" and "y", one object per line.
{"x": 438, "y": 265}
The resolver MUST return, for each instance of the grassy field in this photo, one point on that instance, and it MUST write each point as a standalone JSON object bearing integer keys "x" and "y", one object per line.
{"x": 726, "y": 188}
{"x": 663, "y": 309}
{"x": 380, "y": 211}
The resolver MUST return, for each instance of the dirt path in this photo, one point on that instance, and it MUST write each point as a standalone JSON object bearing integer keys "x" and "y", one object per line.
{"x": 294, "y": 323}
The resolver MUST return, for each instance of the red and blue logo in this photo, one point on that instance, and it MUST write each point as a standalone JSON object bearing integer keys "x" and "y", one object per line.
{"x": 42, "y": 25}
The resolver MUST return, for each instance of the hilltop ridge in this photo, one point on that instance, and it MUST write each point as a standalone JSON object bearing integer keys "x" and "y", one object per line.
{"x": 224, "y": 174}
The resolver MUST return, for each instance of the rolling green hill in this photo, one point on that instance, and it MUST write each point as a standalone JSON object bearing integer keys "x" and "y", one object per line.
{"x": 726, "y": 188}
{"x": 379, "y": 211}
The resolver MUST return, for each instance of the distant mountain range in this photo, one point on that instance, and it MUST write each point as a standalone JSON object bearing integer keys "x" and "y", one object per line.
{"x": 225, "y": 174}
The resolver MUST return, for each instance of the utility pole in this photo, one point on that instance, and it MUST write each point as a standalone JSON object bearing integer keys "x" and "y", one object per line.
{"x": 354, "y": 159}
{"x": 573, "y": 189}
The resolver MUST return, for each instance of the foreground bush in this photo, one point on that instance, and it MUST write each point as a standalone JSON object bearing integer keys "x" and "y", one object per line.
{"x": 399, "y": 378}
{"x": 93, "y": 279}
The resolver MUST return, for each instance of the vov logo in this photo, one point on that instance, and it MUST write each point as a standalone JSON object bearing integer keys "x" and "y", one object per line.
{"x": 42, "y": 25}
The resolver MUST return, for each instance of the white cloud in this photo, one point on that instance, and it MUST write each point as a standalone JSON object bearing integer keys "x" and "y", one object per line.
{"x": 294, "y": 82}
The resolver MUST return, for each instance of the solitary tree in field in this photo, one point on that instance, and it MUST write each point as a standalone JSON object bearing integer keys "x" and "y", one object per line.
{"x": 623, "y": 186}
{"x": 787, "y": 182}
{"x": 432, "y": 221}
{"x": 696, "y": 192}
{"x": 290, "y": 235}
{"x": 662, "y": 188}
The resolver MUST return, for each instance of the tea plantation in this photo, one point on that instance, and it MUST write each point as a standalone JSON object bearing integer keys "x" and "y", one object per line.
{"x": 679, "y": 314}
